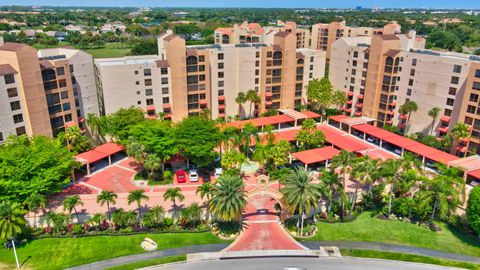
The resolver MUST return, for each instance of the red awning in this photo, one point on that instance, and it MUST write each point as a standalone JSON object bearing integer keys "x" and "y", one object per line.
{"x": 268, "y": 102}
{"x": 360, "y": 96}
{"x": 316, "y": 155}
{"x": 221, "y": 115}
{"x": 109, "y": 148}
{"x": 268, "y": 94}
{"x": 347, "y": 110}
{"x": 475, "y": 174}
{"x": 403, "y": 116}
{"x": 203, "y": 101}
{"x": 166, "y": 105}
{"x": 445, "y": 118}
{"x": 349, "y": 102}
{"x": 348, "y": 143}
{"x": 359, "y": 105}
{"x": 151, "y": 108}
{"x": 99, "y": 152}
{"x": 263, "y": 121}
{"x": 443, "y": 129}
{"x": 358, "y": 113}
{"x": 311, "y": 114}
{"x": 221, "y": 98}
{"x": 350, "y": 93}
{"x": 70, "y": 124}
{"x": 390, "y": 113}
{"x": 338, "y": 118}
{"x": 221, "y": 106}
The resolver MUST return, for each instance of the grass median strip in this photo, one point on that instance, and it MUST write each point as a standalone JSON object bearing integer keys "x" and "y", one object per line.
{"x": 406, "y": 258}
{"x": 136, "y": 265}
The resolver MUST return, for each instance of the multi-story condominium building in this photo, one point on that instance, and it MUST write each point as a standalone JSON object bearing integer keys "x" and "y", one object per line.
{"x": 37, "y": 94}
{"x": 185, "y": 80}
{"x": 320, "y": 37}
{"x": 381, "y": 73}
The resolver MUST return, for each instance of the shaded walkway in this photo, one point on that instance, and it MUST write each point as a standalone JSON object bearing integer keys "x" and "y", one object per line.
{"x": 262, "y": 230}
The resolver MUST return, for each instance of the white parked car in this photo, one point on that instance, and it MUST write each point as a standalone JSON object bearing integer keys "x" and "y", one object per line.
{"x": 193, "y": 175}
{"x": 218, "y": 172}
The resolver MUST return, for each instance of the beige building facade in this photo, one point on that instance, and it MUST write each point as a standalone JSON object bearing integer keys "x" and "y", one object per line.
{"x": 187, "y": 80}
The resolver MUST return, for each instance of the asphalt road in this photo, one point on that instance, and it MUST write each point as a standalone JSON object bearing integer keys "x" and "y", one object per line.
{"x": 323, "y": 263}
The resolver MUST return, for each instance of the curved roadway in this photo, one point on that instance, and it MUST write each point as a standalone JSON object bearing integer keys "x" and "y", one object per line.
{"x": 323, "y": 263}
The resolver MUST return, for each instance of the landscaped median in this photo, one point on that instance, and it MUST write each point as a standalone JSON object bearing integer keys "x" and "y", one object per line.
{"x": 368, "y": 228}
{"x": 61, "y": 253}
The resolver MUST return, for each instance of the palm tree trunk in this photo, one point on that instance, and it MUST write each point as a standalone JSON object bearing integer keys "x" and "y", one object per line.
{"x": 250, "y": 112}
{"x": 139, "y": 212}
{"x": 390, "y": 200}
{"x": 174, "y": 209}
{"x": 433, "y": 211}
{"x": 301, "y": 229}
{"x": 76, "y": 213}
{"x": 108, "y": 211}
{"x": 355, "y": 197}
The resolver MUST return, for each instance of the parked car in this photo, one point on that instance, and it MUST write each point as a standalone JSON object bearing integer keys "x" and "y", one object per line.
{"x": 193, "y": 175}
{"x": 181, "y": 176}
{"x": 218, "y": 172}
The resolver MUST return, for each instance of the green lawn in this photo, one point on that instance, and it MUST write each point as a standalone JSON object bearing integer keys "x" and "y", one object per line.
{"x": 108, "y": 52}
{"x": 60, "y": 253}
{"x": 371, "y": 229}
{"x": 141, "y": 264}
{"x": 407, "y": 258}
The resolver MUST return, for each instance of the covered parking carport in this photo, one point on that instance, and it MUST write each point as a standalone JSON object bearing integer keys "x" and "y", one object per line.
{"x": 316, "y": 157}
{"x": 104, "y": 151}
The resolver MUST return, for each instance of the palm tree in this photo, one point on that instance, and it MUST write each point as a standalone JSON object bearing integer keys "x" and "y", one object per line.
{"x": 364, "y": 172}
{"x": 240, "y": 99}
{"x": 343, "y": 161}
{"x": 136, "y": 150}
{"x": 107, "y": 197}
{"x": 261, "y": 154}
{"x": 228, "y": 198}
{"x": 253, "y": 98}
{"x": 434, "y": 112}
{"x": 12, "y": 223}
{"x": 205, "y": 190}
{"x": 152, "y": 164}
{"x": 33, "y": 203}
{"x": 191, "y": 215}
{"x": 460, "y": 131}
{"x": 269, "y": 135}
{"x": 441, "y": 194}
{"x": 137, "y": 196}
{"x": 248, "y": 133}
{"x": 300, "y": 194}
{"x": 71, "y": 203}
{"x": 390, "y": 170}
{"x": 95, "y": 125}
{"x": 174, "y": 194}
{"x": 154, "y": 216}
{"x": 407, "y": 108}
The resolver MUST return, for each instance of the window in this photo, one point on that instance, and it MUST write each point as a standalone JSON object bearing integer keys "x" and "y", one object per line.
{"x": 477, "y": 73}
{"x": 221, "y": 83}
{"x": 412, "y": 72}
{"x": 1, "y": 137}
{"x": 64, "y": 94}
{"x": 165, "y": 90}
{"x": 471, "y": 109}
{"x": 257, "y": 54}
{"x": 148, "y": 92}
{"x": 354, "y": 63}
{"x": 447, "y": 112}
{"x": 220, "y": 74}
{"x": 136, "y": 72}
{"x": 71, "y": 68}
{"x": 409, "y": 92}
{"x": 68, "y": 117}
{"x": 468, "y": 120}
{"x": 221, "y": 92}
{"x": 455, "y": 80}
{"x": 220, "y": 65}
{"x": 220, "y": 56}
{"x": 410, "y": 82}
{"x": 53, "y": 99}
{"x": 164, "y": 71}
{"x": 15, "y": 105}
{"x": 476, "y": 86}
{"x": 365, "y": 65}
{"x": 201, "y": 68}
{"x": 269, "y": 54}
{"x": 414, "y": 62}
{"x": 147, "y": 72}
{"x": 138, "y": 92}
{"x": 450, "y": 101}
{"x": 60, "y": 71}
{"x": 257, "y": 63}
{"x": 148, "y": 82}
{"x": 18, "y": 118}
{"x": 164, "y": 80}
{"x": 50, "y": 85}
{"x": 354, "y": 71}
{"x": 66, "y": 106}
{"x": 192, "y": 79}
{"x": 201, "y": 58}
{"x": 12, "y": 92}
{"x": 355, "y": 54}
{"x": 20, "y": 131}
{"x": 257, "y": 72}
{"x": 352, "y": 80}
{"x": 452, "y": 91}
{"x": 137, "y": 82}
{"x": 149, "y": 101}
{"x": 457, "y": 68}
{"x": 62, "y": 83}
{"x": 473, "y": 97}
{"x": 139, "y": 102}
{"x": 165, "y": 100}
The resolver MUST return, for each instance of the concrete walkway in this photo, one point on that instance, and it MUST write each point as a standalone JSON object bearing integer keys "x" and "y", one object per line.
{"x": 394, "y": 248}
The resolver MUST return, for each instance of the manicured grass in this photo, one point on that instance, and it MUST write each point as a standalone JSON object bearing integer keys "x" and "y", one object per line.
{"x": 371, "y": 229}
{"x": 108, "y": 52}
{"x": 141, "y": 264}
{"x": 60, "y": 253}
{"x": 407, "y": 258}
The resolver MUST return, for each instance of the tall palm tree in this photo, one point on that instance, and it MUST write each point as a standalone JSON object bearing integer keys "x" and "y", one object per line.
{"x": 248, "y": 133}
{"x": 364, "y": 172}
{"x": 137, "y": 196}
{"x": 300, "y": 194}
{"x": 34, "y": 202}
{"x": 205, "y": 190}
{"x": 152, "y": 164}
{"x": 154, "y": 215}
{"x": 390, "y": 170}
{"x": 95, "y": 125}
{"x": 228, "y": 198}
{"x": 434, "y": 112}
{"x": 240, "y": 100}
{"x": 191, "y": 215}
{"x": 269, "y": 135}
{"x": 107, "y": 197}
{"x": 12, "y": 223}
{"x": 407, "y": 108}
{"x": 71, "y": 203}
{"x": 460, "y": 131}
{"x": 343, "y": 162}
{"x": 441, "y": 194}
{"x": 174, "y": 194}
{"x": 261, "y": 154}
{"x": 253, "y": 98}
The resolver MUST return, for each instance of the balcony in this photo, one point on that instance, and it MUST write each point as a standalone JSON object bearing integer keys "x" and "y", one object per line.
{"x": 268, "y": 94}
{"x": 221, "y": 106}
{"x": 359, "y": 105}
{"x": 445, "y": 119}
{"x": 150, "y": 108}
{"x": 390, "y": 113}
{"x": 347, "y": 110}
{"x": 360, "y": 96}
{"x": 358, "y": 113}
{"x": 203, "y": 102}
{"x": 268, "y": 102}
{"x": 443, "y": 129}
{"x": 403, "y": 116}
{"x": 349, "y": 102}
{"x": 166, "y": 106}
{"x": 221, "y": 115}
{"x": 393, "y": 104}
{"x": 350, "y": 93}
{"x": 221, "y": 97}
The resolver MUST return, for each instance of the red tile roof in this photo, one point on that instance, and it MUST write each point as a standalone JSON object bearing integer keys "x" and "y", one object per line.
{"x": 338, "y": 118}
{"x": 262, "y": 121}
{"x": 109, "y": 148}
{"x": 316, "y": 155}
{"x": 311, "y": 114}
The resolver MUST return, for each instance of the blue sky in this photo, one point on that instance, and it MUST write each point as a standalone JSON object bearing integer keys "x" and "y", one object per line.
{"x": 255, "y": 3}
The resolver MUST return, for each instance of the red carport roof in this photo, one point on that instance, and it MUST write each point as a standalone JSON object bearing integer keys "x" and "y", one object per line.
{"x": 311, "y": 114}
{"x": 339, "y": 117}
{"x": 373, "y": 131}
{"x": 109, "y": 148}
{"x": 316, "y": 155}
{"x": 288, "y": 135}
{"x": 401, "y": 141}
{"x": 348, "y": 143}
{"x": 432, "y": 153}
{"x": 378, "y": 154}
{"x": 329, "y": 131}
{"x": 475, "y": 173}
{"x": 90, "y": 156}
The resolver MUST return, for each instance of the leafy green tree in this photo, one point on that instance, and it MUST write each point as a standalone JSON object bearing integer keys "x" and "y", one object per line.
{"x": 391, "y": 170}
{"x": 269, "y": 135}
{"x": 320, "y": 92}
{"x": 228, "y": 198}
{"x": 434, "y": 112}
{"x": 308, "y": 137}
{"x": 173, "y": 194}
{"x": 460, "y": 131}
{"x": 145, "y": 47}
{"x": 107, "y": 197}
{"x": 407, "y": 108}
{"x": 136, "y": 150}
{"x": 473, "y": 209}
{"x": 343, "y": 162}
{"x": 152, "y": 165}
{"x": 38, "y": 165}
{"x": 75, "y": 140}
{"x": 137, "y": 196}
{"x": 34, "y": 202}
{"x": 157, "y": 137}
{"x": 58, "y": 221}
{"x": 118, "y": 124}
{"x": 197, "y": 137}
{"x": 300, "y": 194}
{"x": 12, "y": 220}
{"x": 339, "y": 98}
{"x": 154, "y": 217}
{"x": 262, "y": 154}
{"x": 280, "y": 153}
{"x": 70, "y": 204}
{"x": 232, "y": 159}
{"x": 331, "y": 188}
{"x": 205, "y": 190}
{"x": 97, "y": 126}
{"x": 443, "y": 39}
